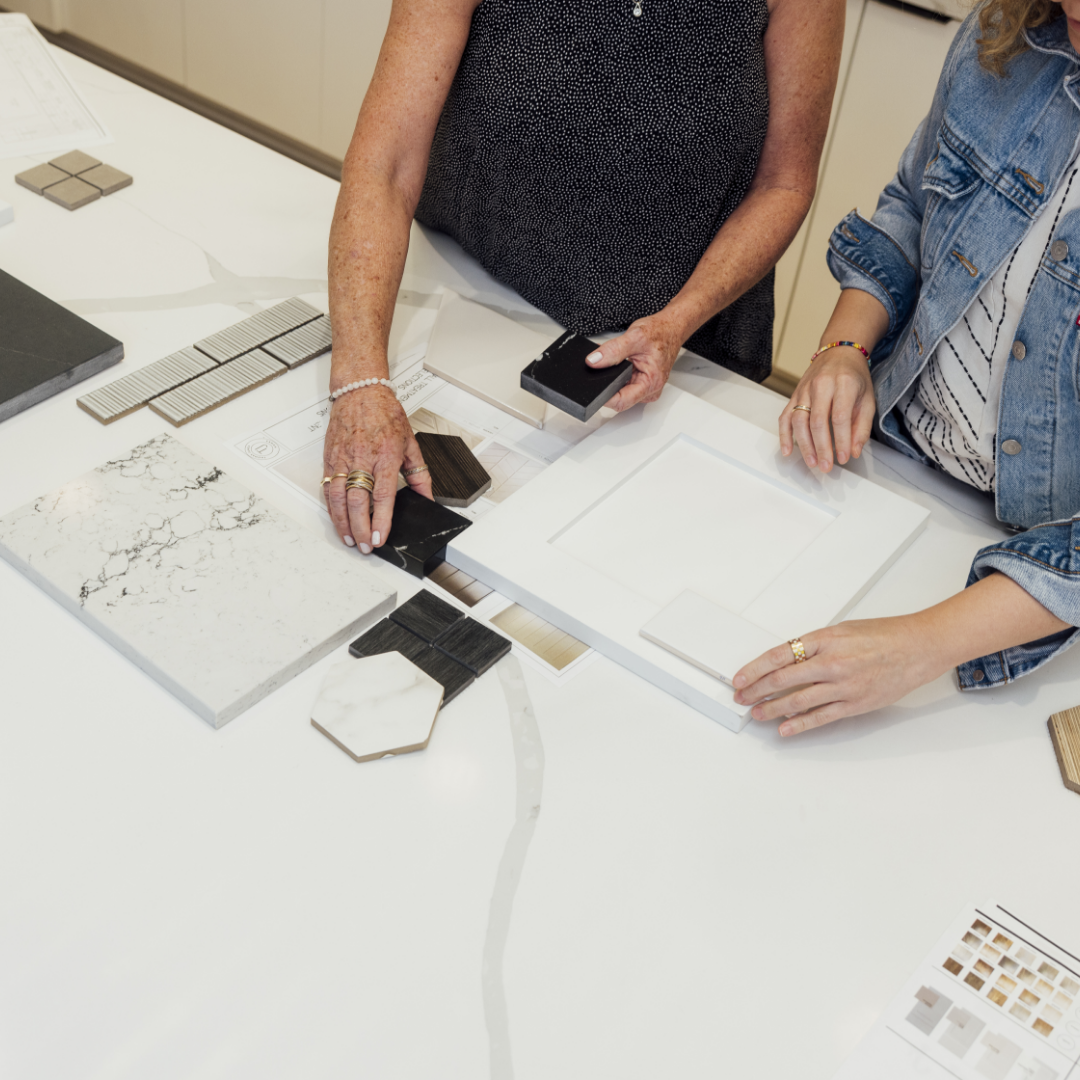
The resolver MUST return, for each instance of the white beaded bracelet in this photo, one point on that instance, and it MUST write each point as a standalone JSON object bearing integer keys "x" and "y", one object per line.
{"x": 360, "y": 385}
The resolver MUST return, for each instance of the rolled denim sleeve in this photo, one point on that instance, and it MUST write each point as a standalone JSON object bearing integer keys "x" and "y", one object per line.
{"x": 1045, "y": 562}
{"x": 881, "y": 255}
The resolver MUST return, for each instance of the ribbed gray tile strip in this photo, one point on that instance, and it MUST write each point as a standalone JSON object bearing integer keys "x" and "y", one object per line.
{"x": 216, "y": 387}
{"x": 244, "y": 336}
{"x": 125, "y": 395}
{"x": 299, "y": 346}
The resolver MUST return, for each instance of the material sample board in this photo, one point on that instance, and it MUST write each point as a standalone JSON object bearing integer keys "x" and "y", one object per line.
{"x": 419, "y": 533}
{"x": 44, "y": 348}
{"x": 208, "y": 589}
{"x": 1065, "y": 733}
{"x": 561, "y": 377}
{"x": 457, "y": 478}
{"x": 377, "y": 705}
{"x": 811, "y": 548}
{"x": 483, "y": 352}
{"x": 994, "y": 1000}
{"x": 73, "y": 179}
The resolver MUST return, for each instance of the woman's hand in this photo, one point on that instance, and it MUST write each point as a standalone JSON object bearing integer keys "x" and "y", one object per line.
{"x": 850, "y": 669}
{"x": 652, "y": 345}
{"x": 368, "y": 430}
{"x": 837, "y": 390}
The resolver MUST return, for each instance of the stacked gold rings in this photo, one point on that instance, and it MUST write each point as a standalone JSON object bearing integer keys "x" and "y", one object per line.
{"x": 412, "y": 472}
{"x": 360, "y": 479}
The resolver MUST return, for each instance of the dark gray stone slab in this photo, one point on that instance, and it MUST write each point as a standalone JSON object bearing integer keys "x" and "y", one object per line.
{"x": 426, "y": 616}
{"x": 44, "y": 348}
{"x": 420, "y": 531}
{"x": 561, "y": 377}
{"x": 474, "y": 645}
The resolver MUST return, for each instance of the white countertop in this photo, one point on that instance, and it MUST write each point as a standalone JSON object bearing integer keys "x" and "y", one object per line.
{"x": 580, "y": 880}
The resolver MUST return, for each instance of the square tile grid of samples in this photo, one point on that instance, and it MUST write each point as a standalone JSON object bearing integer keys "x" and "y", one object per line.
{"x": 994, "y": 1000}
{"x": 73, "y": 180}
{"x": 207, "y": 588}
{"x": 191, "y": 382}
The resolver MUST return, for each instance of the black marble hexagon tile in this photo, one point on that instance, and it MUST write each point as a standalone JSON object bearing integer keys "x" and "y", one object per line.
{"x": 562, "y": 378}
{"x": 471, "y": 643}
{"x": 419, "y": 533}
{"x": 426, "y": 616}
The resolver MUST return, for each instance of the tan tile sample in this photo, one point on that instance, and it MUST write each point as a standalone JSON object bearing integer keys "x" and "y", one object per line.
{"x": 74, "y": 162}
{"x": 72, "y": 193}
{"x": 106, "y": 178}
{"x": 40, "y": 177}
{"x": 1065, "y": 734}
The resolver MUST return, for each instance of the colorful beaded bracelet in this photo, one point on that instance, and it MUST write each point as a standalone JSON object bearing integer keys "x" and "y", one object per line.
{"x": 835, "y": 344}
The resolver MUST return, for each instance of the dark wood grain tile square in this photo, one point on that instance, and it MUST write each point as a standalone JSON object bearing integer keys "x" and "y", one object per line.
{"x": 426, "y": 616}
{"x": 387, "y": 636}
{"x": 457, "y": 478}
{"x": 471, "y": 643}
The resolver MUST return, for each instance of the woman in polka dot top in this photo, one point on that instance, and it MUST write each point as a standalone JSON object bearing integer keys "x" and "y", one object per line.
{"x": 637, "y": 164}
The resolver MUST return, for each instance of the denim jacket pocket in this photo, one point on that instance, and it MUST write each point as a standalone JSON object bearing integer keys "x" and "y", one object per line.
{"x": 949, "y": 173}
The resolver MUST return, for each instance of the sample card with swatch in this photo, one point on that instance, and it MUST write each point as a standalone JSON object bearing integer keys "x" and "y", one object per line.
{"x": 994, "y": 1000}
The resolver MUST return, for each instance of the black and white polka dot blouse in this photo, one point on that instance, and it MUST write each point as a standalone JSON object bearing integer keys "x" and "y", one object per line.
{"x": 587, "y": 155}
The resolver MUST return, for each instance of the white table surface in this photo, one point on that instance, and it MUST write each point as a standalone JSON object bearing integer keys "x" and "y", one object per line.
{"x": 586, "y": 880}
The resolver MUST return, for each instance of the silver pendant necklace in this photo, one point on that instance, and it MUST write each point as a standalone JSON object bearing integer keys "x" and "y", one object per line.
{"x": 637, "y": 8}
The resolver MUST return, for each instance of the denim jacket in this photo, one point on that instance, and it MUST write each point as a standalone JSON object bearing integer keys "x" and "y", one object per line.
{"x": 979, "y": 170}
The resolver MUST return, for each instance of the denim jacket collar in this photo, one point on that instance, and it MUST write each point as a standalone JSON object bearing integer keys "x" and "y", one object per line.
{"x": 1052, "y": 37}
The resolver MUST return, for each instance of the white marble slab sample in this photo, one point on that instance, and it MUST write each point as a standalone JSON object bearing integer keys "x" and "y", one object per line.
{"x": 483, "y": 352}
{"x": 784, "y": 548}
{"x": 377, "y": 705}
{"x": 208, "y": 589}
{"x": 709, "y": 636}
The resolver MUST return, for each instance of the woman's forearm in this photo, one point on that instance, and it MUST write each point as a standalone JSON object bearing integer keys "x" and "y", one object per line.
{"x": 369, "y": 240}
{"x": 859, "y": 317}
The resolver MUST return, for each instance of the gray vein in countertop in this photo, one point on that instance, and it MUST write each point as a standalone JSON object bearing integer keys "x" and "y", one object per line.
{"x": 529, "y": 760}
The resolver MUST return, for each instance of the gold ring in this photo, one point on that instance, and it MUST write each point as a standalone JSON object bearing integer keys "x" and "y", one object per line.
{"x": 804, "y": 408}
{"x": 412, "y": 472}
{"x": 327, "y": 479}
{"x": 798, "y": 650}
{"x": 360, "y": 474}
{"x": 351, "y": 485}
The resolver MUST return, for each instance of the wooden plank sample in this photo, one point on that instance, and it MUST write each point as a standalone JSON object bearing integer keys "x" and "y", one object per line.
{"x": 474, "y": 645}
{"x": 216, "y": 387}
{"x": 457, "y": 478}
{"x": 1065, "y": 734}
{"x": 426, "y": 616}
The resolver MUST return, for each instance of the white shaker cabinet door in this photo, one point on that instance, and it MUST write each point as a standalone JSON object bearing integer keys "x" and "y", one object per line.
{"x": 890, "y": 84}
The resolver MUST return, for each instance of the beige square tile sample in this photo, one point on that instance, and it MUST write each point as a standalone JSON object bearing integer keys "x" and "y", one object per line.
{"x": 72, "y": 193}
{"x": 106, "y": 179}
{"x": 74, "y": 162}
{"x": 40, "y": 177}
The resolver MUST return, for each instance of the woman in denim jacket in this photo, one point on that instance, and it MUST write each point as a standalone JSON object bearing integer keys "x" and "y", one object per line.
{"x": 964, "y": 290}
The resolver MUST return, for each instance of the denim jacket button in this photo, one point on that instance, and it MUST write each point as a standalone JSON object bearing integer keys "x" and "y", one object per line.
{"x": 1019, "y": 350}
{"x": 1059, "y": 251}
{"x": 1011, "y": 447}
{"x": 978, "y": 675}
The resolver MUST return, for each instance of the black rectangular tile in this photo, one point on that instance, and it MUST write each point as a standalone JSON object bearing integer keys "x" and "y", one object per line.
{"x": 426, "y": 616}
{"x": 387, "y": 636}
{"x": 420, "y": 531}
{"x": 457, "y": 478}
{"x": 471, "y": 643}
{"x": 561, "y": 377}
{"x": 44, "y": 348}
{"x": 453, "y": 676}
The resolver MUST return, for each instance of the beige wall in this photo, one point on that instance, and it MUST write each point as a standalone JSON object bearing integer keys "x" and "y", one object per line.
{"x": 300, "y": 66}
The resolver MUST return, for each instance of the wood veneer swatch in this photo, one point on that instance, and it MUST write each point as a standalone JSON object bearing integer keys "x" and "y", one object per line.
{"x": 457, "y": 478}
{"x": 1065, "y": 735}
{"x": 124, "y": 396}
{"x": 471, "y": 643}
{"x": 426, "y": 616}
{"x": 216, "y": 387}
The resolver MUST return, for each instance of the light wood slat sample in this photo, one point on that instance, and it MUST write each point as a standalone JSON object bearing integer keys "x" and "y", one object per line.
{"x": 250, "y": 333}
{"x": 299, "y": 346}
{"x": 124, "y": 396}
{"x": 1065, "y": 733}
{"x": 215, "y": 388}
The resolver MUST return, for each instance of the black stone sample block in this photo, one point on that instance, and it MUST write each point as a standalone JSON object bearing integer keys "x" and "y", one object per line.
{"x": 561, "y": 377}
{"x": 387, "y": 636}
{"x": 420, "y": 532}
{"x": 44, "y": 348}
{"x": 457, "y": 478}
{"x": 426, "y": 616}
{"x": 471, "y": 643}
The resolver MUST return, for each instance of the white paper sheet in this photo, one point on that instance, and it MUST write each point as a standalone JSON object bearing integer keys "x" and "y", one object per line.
{"x": 994, "y": 1000}
{"x": 41, "y": 112}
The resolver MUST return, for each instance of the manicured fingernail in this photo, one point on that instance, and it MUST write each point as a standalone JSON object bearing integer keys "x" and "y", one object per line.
{"x": 842, "y": 458}
{"x": 594, "y": 357}
{"x": 785, "y": 729}
{"x": 365, "y": 548}
{"x": 785, "y": 451}
{"x": 756, "y": 712}
{"x": 350, "y": 541}
{"x": 376, "y": 539}
{"x": 740, "y": 680}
